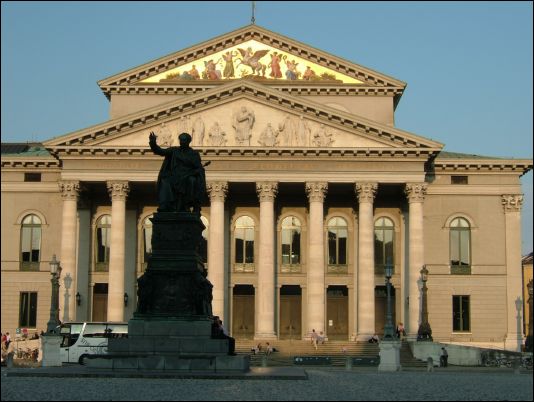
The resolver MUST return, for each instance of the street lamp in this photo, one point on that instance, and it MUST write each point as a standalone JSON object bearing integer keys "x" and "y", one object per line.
{"x": 55, "y": 271}
{"x": 528, "y": 342}
{"x": 389, "y": 330}
{"x": 424, "y": 333}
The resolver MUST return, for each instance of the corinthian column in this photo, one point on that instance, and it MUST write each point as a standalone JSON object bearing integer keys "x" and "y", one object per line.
{"x": 366, "y": 260}
{"x": 265, "y": 327}
{"x": 514, "y": 295}
{"x": 416, "y": 197}
{"x": 316, "y": 262}
{"x": 118, "y": 191}
{"x": 70, "y": 191}
{"x": 217, "y": 191}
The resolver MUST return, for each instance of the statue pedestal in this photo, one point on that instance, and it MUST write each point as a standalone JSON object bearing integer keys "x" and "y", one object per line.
{"x": 51, "y": 350}
{"x": 171, "y": 329}
{"x": 389, "y": 356}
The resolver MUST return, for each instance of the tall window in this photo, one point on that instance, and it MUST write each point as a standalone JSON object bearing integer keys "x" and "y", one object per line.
{"x": 28, "y": 309}
{"x": 291, "y": 229}
{"x": 244, "y": 241}
{"x": 203, "y": 248}
{"x": 337, "y": 241}
{"x": 147, "y": 239}
{"x": 103, "y": 242}
{"x": 460, "y": 239}
{"x": 30, "y": 243}
{"x": 384, "y": 244}
{"x": 460, "y": 314}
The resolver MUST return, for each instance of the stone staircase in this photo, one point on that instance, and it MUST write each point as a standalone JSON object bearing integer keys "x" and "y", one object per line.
{"x": 287, "y": 350}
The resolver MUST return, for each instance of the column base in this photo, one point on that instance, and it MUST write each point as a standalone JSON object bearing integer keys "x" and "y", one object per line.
{"x": 51, "y": 350}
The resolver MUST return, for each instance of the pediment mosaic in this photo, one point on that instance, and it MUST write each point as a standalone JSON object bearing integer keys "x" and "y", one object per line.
{"x": 251, "y": 59}
{"x": 244, "y": 123}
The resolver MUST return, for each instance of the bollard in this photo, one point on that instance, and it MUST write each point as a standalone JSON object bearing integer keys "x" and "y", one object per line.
{"x": 348, "y": 363}
{"x": 9, "y": 360}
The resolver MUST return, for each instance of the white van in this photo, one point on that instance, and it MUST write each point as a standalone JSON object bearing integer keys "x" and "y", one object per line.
{"x": 88, "y": 338}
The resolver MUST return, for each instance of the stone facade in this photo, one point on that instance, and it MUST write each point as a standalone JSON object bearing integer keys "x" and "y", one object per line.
{"x": 320, "y": 156}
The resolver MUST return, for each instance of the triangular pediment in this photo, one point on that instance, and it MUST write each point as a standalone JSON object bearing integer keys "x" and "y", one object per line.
{"x": 255, "y": 51}
{"x": 250, "y": 115}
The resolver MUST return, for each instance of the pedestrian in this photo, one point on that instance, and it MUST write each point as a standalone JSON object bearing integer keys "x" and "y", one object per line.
{"x": 320, "y": 338}
{"x": 443, "y": 358}
{"x": 268, "y": 348}
{"x": 314, "y": 339}
{"x": 400, "y": 331}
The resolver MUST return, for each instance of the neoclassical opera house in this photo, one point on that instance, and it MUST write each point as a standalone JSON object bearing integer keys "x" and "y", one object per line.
{"x": 312, "y": 192}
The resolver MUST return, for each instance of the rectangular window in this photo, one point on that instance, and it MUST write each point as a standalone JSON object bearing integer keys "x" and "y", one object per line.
{"x": 459, "y": 180}
{"x": 461, "y": 314}
{"x": 28, "y": 310}
{"x": 32, "y": 176}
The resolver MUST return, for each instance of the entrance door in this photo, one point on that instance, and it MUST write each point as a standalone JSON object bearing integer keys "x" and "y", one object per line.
{"x": 381, "y": 308}
{"x": 337, "y": 312}
{"x": 243, "y": 312}
{"x": 290, "y": 312}
{"x": 100, "y": 302}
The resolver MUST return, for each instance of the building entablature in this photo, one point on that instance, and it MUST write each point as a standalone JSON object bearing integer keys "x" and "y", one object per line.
{"x": 474, "y": 166}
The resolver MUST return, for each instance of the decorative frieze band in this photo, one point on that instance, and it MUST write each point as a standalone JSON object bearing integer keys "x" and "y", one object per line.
{"x": 217, "y": 190}
{"x": 70, "y": 190}
{"x": 267, "y": 190}
{"x": 118, "y": 190}
{"x": 512, "y": 202}
{"x": 366, "y": 191}
{"x": 316, "y": 191}
{"x": 415, "y": 191}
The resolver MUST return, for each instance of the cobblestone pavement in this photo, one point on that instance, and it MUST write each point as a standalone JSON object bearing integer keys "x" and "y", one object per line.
{"x": 322, "y": 384}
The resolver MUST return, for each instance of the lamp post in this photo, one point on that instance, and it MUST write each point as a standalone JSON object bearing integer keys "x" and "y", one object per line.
{"x": 424, "y": 333}
{"x": 389, "y": 330}
{"x": 529, "y": 340}
{"x": 55, "y": 271}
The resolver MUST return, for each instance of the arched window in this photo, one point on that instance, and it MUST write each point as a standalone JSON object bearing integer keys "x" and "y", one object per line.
{"x": 147, "y": 239}
{"x": 384, "y": 244}
{"x": 30, "y": 243}
{"x": 291, "y": 241}
{"x": 337, "y": 241}
{"x": 203, "y": 248}
{"x": 460, "y": 244}
{"x": 103, "y": 242}
{"x": 244, "y": 243}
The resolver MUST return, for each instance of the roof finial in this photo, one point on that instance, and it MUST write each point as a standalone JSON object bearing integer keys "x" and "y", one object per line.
{"x": 253, "y": 9}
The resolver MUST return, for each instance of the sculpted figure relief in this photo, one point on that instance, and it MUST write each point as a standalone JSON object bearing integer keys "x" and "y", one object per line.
{"x": 243, "y": 122}
{"x": 217, "y": 137}
{"x": 322, "y": 138}
{"x": 165, "y": 135}
{"x": 182, "y": 179}
{"x": 288, "y": 131}
{"x": 268, "y": 137}
{"x": 198, "y": 131}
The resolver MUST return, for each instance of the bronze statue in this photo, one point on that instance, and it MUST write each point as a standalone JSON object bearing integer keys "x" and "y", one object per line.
{"x": 182, "y": 179}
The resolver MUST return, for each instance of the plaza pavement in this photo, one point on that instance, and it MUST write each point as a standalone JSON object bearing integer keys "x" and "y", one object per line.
{"x": 358, "y": 384}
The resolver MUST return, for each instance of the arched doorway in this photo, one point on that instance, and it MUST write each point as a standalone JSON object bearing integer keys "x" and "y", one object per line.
{"x": 337, "y": 312}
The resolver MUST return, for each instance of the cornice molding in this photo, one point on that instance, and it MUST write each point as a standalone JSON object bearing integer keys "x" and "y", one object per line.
{"x": 30, "y": 162}
{"x": 482, "y": 165}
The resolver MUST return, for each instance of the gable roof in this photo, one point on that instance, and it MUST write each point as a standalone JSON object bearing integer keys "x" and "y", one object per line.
{"x": 389, "y": 136}
{"x": 365, "y": 77}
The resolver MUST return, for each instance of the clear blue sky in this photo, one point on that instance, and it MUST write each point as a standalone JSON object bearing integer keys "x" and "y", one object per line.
{"x": 468, "y": 65}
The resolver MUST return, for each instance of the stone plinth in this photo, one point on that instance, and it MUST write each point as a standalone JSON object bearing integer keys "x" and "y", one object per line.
{"x": 389, "y": 356}
{"x": 51, "y": 350}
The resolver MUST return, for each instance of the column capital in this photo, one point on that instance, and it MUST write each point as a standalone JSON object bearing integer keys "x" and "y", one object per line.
{"x": 217, "y": 190}
{"x": 366, "y": 191}
{"x": 70, "y": 189}
{"x": 316, "y": 190}
{"x": 415, "y": 192}
{"x": 118, "y": 190}
{"x": 267, "y": 190}
{"x": 512, "y": 202}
